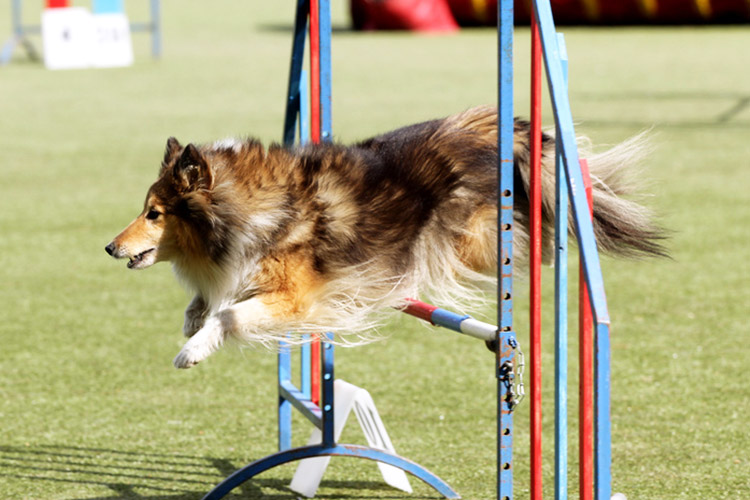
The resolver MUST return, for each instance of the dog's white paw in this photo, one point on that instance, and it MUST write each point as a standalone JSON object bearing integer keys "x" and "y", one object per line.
{"x": 201, "y": 345}
{"x": 187, "y": 358}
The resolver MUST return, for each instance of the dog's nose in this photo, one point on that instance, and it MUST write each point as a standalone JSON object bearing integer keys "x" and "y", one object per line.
{"x": 110, "y": 249}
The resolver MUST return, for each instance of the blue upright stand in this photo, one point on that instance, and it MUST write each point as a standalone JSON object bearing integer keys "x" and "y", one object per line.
{"x": 561, "y": 308}
{"x": 506, "y": 338}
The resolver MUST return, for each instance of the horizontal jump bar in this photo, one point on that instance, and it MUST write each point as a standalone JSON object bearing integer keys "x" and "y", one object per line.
{"x": 310, "y": 410}
{"x": 458, "y": 323}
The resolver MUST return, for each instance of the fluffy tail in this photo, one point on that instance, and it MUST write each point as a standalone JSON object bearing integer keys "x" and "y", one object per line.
{"x": 622, "y": 226}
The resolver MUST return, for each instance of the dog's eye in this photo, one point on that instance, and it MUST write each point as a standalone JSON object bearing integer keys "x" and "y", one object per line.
{"x": 152, "y": 214}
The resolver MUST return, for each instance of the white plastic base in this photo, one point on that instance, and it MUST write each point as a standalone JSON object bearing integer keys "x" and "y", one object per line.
{"x": 347, "y": 397}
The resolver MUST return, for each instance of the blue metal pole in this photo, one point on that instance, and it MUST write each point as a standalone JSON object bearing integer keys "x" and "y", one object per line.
{"x": 285, "y": 406}
{"x": 295, "y": 70}
{"x": 326, "y": 133}
{"x": 561, "y": 307}
{"x": 156, "y": 29}
{"x": 304, "y": 111}
{"x": 305, "y": 381}
{"x": 602, "y": 416}
{"x": 7, "y": 51}
{"x": 505, "y": 336}
{"x": 327, "y": 401}
{"x": 17, "y": 23}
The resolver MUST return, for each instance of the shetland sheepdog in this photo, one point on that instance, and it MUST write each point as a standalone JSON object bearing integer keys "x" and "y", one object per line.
{"x": 319, "y": 237}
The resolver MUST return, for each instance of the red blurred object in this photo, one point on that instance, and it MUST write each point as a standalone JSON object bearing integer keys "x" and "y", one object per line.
{"x": 415, "y": 15}
{"x": 57, "y": 4}
{"x": 479, "y": 12}
{"x": 484, "y": 12}
{"x": 730, "y": 11}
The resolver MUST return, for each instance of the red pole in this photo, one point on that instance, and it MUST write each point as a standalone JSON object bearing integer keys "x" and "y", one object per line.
{"x": 315, "y": 137}
{"x": 585, "y": 369}
{"x": 314, "y": 72}
{"x": 535, "y": 200}
{"x": 315, "y": 369}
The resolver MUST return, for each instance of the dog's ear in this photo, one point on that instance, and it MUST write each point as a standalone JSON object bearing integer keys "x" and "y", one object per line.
{"x": 173, "y": 148}
{"x": 191, "y": 170}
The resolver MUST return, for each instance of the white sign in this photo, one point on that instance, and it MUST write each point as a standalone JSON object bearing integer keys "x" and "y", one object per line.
{"x": 74, "y": 38}
{"x": 112, "y": 46}
{"x": 67, "y": 37}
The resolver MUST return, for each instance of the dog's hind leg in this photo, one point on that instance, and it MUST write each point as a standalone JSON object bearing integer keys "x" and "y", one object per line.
{"x": 477, "y": 245}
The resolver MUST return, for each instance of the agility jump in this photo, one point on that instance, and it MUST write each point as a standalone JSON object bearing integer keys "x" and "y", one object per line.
{"x": 315, "y": 399}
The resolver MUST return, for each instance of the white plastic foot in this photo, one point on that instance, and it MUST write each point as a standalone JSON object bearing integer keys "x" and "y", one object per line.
{"x": 347, "y": 397}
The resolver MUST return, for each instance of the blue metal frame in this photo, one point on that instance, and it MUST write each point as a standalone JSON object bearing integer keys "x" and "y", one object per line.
{"x": 587, "y": 245}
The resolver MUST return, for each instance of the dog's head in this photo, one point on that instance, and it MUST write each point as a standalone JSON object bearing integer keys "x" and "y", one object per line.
{"x": 158, "y": 233}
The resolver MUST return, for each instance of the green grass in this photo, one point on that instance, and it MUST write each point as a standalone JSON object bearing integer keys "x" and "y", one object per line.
{"x": 91, "y": 406}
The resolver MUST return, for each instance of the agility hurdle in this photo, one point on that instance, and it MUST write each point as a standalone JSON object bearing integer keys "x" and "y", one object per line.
{"x": 21, "y": 32}
{"x": 315, "y": 398}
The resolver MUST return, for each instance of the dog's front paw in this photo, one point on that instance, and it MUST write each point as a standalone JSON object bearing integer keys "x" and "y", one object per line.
{"x": 187, "y": 358}
{"x": 200, "y": 346}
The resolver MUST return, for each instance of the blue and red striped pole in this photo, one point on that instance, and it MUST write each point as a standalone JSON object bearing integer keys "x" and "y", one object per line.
{"x": 461, "y": 323}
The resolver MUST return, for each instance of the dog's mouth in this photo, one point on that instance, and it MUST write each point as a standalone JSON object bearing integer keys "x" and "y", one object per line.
{"x": 136, "y": 261}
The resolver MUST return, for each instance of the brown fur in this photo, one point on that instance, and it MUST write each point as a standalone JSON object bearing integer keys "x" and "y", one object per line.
{"x": 319, "y": 237}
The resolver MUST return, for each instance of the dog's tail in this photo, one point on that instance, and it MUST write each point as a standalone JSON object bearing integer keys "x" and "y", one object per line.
{"x": 622, "y": 226}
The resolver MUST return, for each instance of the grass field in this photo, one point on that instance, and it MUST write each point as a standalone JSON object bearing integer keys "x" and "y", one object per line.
{"x": 91, "y": 407}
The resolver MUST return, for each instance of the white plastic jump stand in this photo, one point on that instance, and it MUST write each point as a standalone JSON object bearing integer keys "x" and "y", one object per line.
{"x": 347, "y": 397}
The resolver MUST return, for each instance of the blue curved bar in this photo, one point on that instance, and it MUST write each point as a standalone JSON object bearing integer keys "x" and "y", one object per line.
{"x": 339, "y": 450}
